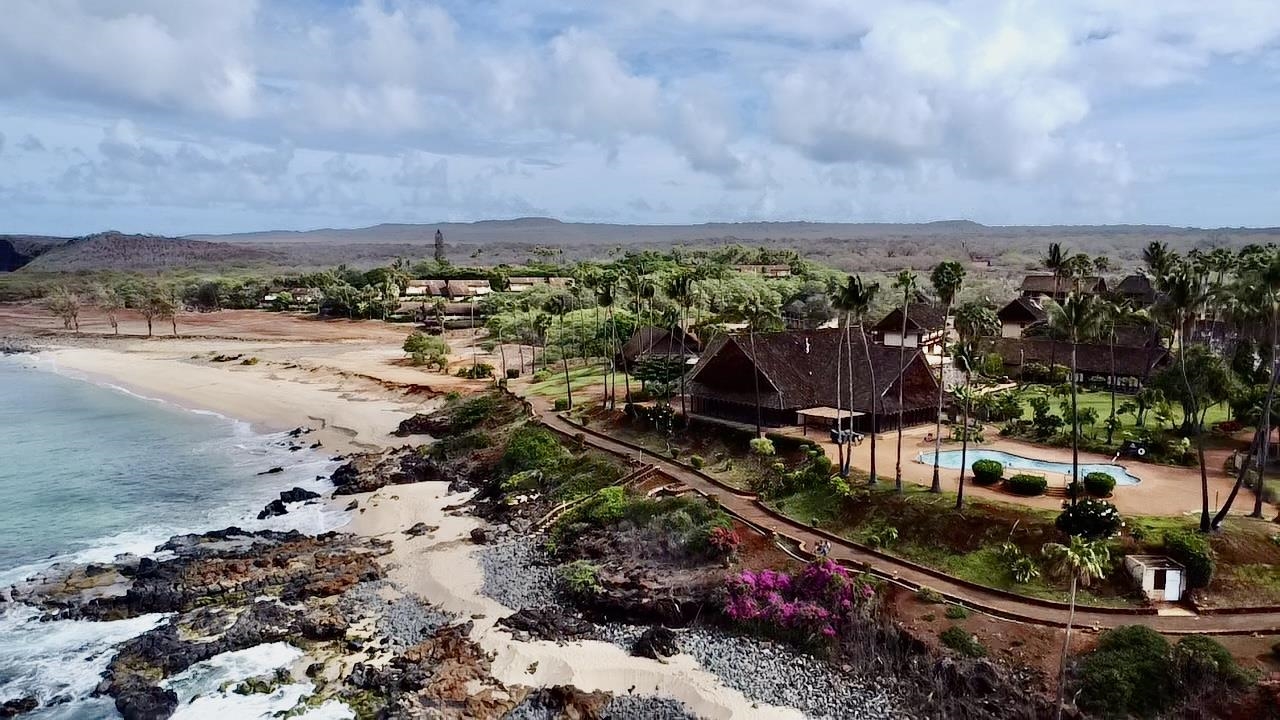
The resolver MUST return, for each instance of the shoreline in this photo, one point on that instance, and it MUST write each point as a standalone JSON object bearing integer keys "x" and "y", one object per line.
{"x": 441, "y": 567}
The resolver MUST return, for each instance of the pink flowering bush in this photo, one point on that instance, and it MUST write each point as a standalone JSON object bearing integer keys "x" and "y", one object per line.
{"x": 724, "y": 541}
{"x": 821, "y": 601}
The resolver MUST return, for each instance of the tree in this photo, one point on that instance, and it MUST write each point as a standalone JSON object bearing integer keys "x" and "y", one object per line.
{"x": 946, "y": 278}
{"x": 1082, "y": 561}
{"x": 680, "y": 289}
{"x": 441, "y": 260}
{"x": 1057, "y": 262}
{"x": 906, "y": 283}
{"x": 427, "y": 349}
{"x": 974, "y": 323}
{"x": 1159, "y": 263}
{"x": 1078, "y": 317}
{"x": 855, "y": 300}
{"x": 759, "y": 314}
{"x": 153, "y": 303}
{"x": 110, "y": 302}
{"x": 606, "y": 297}
{"x": 1186, "y": 295}
{"x": 560, "y": 304}
{"x": 65, "y": 305}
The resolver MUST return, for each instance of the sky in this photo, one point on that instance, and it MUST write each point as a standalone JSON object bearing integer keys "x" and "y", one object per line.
{"x": 239, "y": 115}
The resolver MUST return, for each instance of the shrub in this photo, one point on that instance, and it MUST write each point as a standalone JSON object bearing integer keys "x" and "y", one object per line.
{"x": 929, "y": 595}
{"x": 1194, "y": 552}
{"x": 471, "y": 412}
{"x": 987, "y": 472}
{"x": 607, "y": 505}
{"x": 1199, "y": 659}
{"x": 1090, "y": 518}
{"x": 724, "y": 541}
{"x": 955, "y": 612}
{"x": 542, "y": 375}
{"x": 427, "y": 349}
{"x": 963, "y": 642}
{"x": 1023, "y": 570}
{"x": 762, "y": 447}
{"x": 523, "y": 480}
{"x": 478, "y": 371}
{"x": 822, "y": 601}
{"x": 883, "y": 537}
{"x": 1099, "y": 484}
{"x": 513, "y": 373}
{"x": 697, "y": 462}
{"x": 1027, "y": 485}
{"x": 1130, "y": 672}
{"x": 532, "y": 447}
{"x": 580, "y": 578}
{"x": 560, "y": 404}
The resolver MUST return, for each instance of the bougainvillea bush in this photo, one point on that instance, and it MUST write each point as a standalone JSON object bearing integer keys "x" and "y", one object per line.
{"x": 820, "y": 602}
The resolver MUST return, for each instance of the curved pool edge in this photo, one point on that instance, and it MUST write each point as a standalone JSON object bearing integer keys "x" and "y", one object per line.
{"x": 1126, "y": 479}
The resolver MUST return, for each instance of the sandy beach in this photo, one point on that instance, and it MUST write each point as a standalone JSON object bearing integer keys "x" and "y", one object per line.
{"x": 354, "y": 392}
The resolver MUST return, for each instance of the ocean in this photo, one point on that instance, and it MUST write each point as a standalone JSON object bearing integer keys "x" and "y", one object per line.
{"x": 89, "y": 471}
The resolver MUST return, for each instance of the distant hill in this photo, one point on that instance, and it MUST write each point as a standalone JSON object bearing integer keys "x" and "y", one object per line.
{"x": 117, "y": 251}
{"x": 18, "y": 250}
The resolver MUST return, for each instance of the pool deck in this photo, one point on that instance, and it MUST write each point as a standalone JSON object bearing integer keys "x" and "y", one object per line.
{"x": 1164, "y": 490}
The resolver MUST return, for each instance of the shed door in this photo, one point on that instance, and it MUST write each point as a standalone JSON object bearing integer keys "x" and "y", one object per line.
{"x": 1160, "y": 580}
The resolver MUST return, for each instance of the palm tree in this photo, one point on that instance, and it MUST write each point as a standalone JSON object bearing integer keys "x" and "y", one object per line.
{"x": 855, "y": 300}
{"x": 946, "y": 279}
{"x": 1078, "y": 317}
{"x": 906, "y": 283}
{"x": 605, "y": 299}
{"x": 1113, "y": 316}
{"x": 1057, "y": 262}
{"x": 1083, "y": 562}
{"x": 1159, "y": 262}
{"x": 1186, "y": 295}
{"x": 680, "y": 289}
{"x": 559, "y": 304}
{"x": 759, "y": 314}
{"x": 974, "y": 322}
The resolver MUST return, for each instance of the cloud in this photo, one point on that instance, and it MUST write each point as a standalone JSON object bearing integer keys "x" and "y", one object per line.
{"x": 743, "y": 109}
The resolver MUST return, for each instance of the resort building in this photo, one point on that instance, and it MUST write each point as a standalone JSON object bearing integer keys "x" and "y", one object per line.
{"x": 769, "y": 271}
{"x": 1046, "y": 286}
{"x": 656, "y": 342}
{"x": 1137, "y": 289}
{"x": 926, "y": 330}
{"x": 1020, "y": 314}
{"x": 1133, "y": 365}
{"x": 467, "y": 289}
{"x": 797, "y": 376}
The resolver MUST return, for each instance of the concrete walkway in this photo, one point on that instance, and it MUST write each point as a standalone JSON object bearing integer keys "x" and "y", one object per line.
{"x": 746, "y": 507}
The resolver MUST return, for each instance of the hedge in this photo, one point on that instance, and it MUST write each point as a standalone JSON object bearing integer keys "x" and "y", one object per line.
{"x": 1194, "y": 552}
{"x": 1027, "y": 485}
{"x": 987, "y": 472}
{"x": 1099, "y": 484}
{"x": 1130, "y": 673}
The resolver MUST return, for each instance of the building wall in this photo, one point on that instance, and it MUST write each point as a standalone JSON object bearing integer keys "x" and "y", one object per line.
{"x": 1011, "y": 330}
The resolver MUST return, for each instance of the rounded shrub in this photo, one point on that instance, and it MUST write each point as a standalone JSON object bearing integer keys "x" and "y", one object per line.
{"x": 1130, "y": 673}
{"x": 1194, "y": 552}
{"x": 1198, "y": 658}
{"x": 561, "y": 404}
{"x": 1028, "y": 485}
{"x": 963, "y": 642}
{"x": 763, "y": 447}
{"x": 1090, "y": 518}
{"x": 512, "y": 373}
{"x": 1099, "y": 484}
{"x": 987, "y": 472}
{"x": 697, "y": 462}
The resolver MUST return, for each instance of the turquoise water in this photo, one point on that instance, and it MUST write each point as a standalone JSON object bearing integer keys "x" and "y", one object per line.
{"x": 951, "y": 459}
{"x": 88, "y": 472}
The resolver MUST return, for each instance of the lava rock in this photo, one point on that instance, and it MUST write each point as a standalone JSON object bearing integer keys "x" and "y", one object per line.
{"x": 421, "y": 529}
{"x": 273, "y": 509}
{"x": 18, "y": 706}
{"x": 148, "y": 703}
{"x": 548, "y": 623}
{"x": 479, "y": 536}
{"x": 272, "y": 471}
{"x": 297, "y": 495}
{"x": 656, "y": 643}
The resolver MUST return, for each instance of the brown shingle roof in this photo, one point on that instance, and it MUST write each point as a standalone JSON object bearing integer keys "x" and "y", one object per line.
{"x": 927, "y": 317}
{"x": 1021, "y": 310}
{"x": 798, "y": 370}
{"x": 651, "y": 340}
{"x": 1044, "y": 285}
{"x": 1091, "y": 358}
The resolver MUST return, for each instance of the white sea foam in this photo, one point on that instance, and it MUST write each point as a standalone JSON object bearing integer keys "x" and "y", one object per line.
{"x": 206, "y": 691}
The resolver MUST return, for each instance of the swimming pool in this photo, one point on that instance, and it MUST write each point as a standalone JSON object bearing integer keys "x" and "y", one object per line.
{"x": 951, "y": 459}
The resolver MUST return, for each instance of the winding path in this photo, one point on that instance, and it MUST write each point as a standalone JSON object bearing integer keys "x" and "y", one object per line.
{"x": 746, "y": 507}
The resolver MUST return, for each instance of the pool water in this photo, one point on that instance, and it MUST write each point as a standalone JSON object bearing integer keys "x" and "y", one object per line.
{"x": 951, "y": 459}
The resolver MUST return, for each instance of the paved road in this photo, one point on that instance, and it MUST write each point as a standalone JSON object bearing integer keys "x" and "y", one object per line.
{"x": 745, "y": 506}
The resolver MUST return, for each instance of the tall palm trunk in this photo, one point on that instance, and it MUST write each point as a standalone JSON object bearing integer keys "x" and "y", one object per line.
{"x": 937, "y": 432}
{"x": 1066, "y": 649}
{"x": 683, "y": 363}
{"x": 1206, "y": 522}
{"x": 755, "y": 378}
{"x": 876, "y": 404}
{"x": 964, "y": 442}
{"x": 902, "y": 358}
{"x": 848, "y": 356}
{"x": 1053, "y": 346}
{"x": 564, "y": 361}
{"x": 1075, "y": 425}
{"x": 1265, "y": 421}
{"x": 502, "y": 350}
{"x": 1111, "y": 421}
{"x": 840, "y": 409}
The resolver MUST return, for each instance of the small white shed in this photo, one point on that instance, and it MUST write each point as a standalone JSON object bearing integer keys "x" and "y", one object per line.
{"x": 1161, "y": 578}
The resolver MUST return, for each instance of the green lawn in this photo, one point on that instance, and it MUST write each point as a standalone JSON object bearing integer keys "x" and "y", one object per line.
{"x": 1101, "y": 404}
{"x": 582, "y": 380}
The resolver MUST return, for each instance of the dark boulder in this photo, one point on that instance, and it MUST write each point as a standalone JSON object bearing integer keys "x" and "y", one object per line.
{"x": 147, "y": 703}
{"x": 546, "y": 623}
{"x": 479, "y": 536}
{"x": 18, "y": 706}
{"x": 273, "y": 509}
{"x": 272, "y": 471}
{"x": 656, "y": 643}
{"x": 297, "y": 495}
{"x": 421, "y": 529}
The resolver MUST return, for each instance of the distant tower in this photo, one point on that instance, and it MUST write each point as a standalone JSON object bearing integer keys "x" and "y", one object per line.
{"x": 440, "y": 247}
